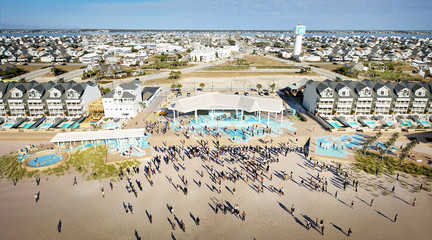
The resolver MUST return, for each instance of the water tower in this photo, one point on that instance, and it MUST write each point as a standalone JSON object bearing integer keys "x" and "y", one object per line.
{"x": 299, "y": 31}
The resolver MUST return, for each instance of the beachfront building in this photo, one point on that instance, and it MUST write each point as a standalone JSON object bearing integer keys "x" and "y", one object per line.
{"x": 116, "y": 141}
{"x": 367, "y": 97}
{"x": 47, "y": 99}
{"x": 235, "y": 105}
{"x": 123, "y": 101}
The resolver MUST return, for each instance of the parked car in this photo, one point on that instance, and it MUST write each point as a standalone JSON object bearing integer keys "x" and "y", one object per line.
{"x": 236, "y": 93}
{"x": 246, "y": 93}
{"x": 266, "y": 93}
{"x": 162, "y": 112}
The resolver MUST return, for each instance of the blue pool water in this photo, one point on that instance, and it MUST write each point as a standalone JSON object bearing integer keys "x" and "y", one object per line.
{"x": 381, "y": 145}
{"x": 65, "y": 125}
{"x": 406, "y": 123}
{"x": 236, "y": 129}
{"x": 75, "y": 126}
{"x": 335, "y": 124}
{"x": 45, "y": 160}
{"x": 27, "y": 125}
{"x": 370, "y": 123}
{"x": 7, "y": 125}
{"x": 389, "y": 123}
{"x": 425, "y": 123}
{"x": 336, "y": 146}
{"x": 354, "y": 124}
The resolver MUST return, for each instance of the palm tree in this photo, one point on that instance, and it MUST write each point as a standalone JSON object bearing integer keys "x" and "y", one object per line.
{"x": 202, "y": 85}
{"x": 371, "y": 141}
{"x": 259, "y": 86}
{"x": 407, "y": 150}
{"x": 179, "y": 86}
{"x": 173, "y": 86}
{"x": 389, "y": 144}
{"x": 273, "y": 86}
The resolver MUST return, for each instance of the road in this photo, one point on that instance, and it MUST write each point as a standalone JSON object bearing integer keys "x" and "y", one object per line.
{"x": 34, "y": 74}
{"x": 71, "y": 74}
{"x": 138, "y": 121}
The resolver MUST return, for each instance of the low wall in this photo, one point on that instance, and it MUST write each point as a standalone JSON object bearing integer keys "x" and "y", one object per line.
{"x": 64, "y": 154}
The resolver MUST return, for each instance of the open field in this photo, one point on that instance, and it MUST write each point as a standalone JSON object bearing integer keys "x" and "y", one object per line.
{"x": 330, "y": 67}
{"x": 31, "y": 68}
{"x": 257, "y": 60}
{"x": 224, "y": 75}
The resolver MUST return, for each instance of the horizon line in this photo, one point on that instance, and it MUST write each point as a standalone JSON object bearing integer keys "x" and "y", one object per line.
{"x": 203, "y": 30}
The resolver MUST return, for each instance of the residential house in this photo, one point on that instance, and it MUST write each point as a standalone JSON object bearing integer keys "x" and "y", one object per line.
{"x": 123, "y": 101}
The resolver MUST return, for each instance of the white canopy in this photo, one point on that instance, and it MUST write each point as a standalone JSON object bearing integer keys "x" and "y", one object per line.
{"x": 216, "y": 100}
{"x": 98, "y": 135}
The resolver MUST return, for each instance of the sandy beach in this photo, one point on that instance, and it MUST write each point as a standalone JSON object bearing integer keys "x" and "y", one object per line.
{"x": 86, "y": 215}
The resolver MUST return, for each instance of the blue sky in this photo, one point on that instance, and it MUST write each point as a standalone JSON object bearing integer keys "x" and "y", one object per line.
{"x": 217, "y": 14}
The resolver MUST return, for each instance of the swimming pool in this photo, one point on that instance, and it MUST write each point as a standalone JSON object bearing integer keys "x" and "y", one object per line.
{"x": 65, "y": 125}
{"x": 45, "y": 160}
{"x": 27, "y": 125}
{"x": 425, "y": 123}
{"x": 354, "y": 124}
{"x": 389, "y": 123}
{"x": 7, "y": 125}
{"x": 370, "y": 123}
{"x": 406, "y": 123}
{"x": 335, "y": 124}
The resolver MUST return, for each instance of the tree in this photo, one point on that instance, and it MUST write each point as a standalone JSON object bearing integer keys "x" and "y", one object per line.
{"x": 202, "y": 85}
{"x": 173, "y": 86}
{"x": 371, "y": 141}
{"x": 259, "y": 86}
{"x": 272, "y": 86}
{"x": 174, "y": 74}
{"x": 407, "y": 150}
{"x": 388, "y": 145}
{"x": 179, "y": 86}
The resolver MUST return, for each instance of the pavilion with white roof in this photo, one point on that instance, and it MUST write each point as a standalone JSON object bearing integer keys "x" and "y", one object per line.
{"x": 222, "y": 101}
{"x": 117, "y": 135}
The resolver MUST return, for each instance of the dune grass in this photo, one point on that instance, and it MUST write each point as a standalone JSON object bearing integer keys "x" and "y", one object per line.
{"x": 90, "y": 163}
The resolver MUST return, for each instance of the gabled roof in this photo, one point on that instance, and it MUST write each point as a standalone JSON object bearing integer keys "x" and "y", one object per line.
{"x": 130, "y": 86}
{"x": 321, "y": 87}
{"x": 359, "y": 86}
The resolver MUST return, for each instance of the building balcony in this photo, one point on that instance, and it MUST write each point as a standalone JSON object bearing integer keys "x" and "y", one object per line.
{"x": 16, "y": 106}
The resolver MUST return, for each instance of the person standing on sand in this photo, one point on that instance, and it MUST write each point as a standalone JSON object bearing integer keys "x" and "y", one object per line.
{"x": 36, "y": 197}
{"x": 75, "y": 181}
{"x": 349, "y": 232}
{"x": 395, "y": 218}
{"x": 59, "y": 226}
{"x": 197, "y": 221}
{"x": 371, "y": 202}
